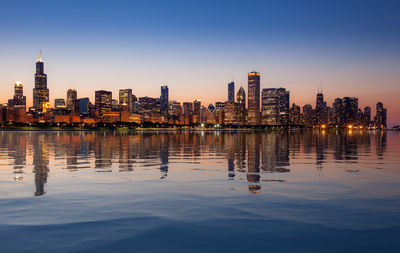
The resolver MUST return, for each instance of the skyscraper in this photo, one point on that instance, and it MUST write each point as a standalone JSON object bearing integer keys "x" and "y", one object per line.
{"x": 103, "y": 100}
{"x": 40, "y": 92}
{"x": 381, "y": 115}
{"x": 241, "y": 96}
{"x": 84, "y": 106}
{"x": 241, "y": 100}
{"x": 231, "y": 92}
{"x": 275, "y": 106}
{"x": 350, "y": 109}
{"x": 19, "y": 100}
{"x": 196, "y": 107}
{"x": 126, "y": 97}
{"x": 253, "y": 98}
{"x": 72, "y": 96}
{"x": 338, "y": 111}
{"x": 321, "y": 112}
{"x": 164, "y": 100}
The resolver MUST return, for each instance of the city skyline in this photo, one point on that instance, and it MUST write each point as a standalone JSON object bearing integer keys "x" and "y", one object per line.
{"x": 355, "y": 55}
{"x": 266, "y": 107}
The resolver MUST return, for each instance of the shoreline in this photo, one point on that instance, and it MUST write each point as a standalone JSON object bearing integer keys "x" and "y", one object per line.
{"x": 178, "y": 129}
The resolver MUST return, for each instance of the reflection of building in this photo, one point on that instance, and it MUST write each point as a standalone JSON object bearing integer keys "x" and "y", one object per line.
{"x": 253, "y": 162}
{"x": 40, "y": 162}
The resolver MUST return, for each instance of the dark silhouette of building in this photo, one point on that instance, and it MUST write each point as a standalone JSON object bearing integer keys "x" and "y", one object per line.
{"x": 381, "y": 115}
{"x": 164, "y": 98}
{"x": 350, "y": 110}
{"x": 231, "y": 92}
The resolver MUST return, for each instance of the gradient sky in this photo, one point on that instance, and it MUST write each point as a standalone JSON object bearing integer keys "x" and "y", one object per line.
{"x": 351, "y": 48}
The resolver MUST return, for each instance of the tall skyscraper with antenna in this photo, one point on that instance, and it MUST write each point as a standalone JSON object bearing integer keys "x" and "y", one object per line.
{"x": 40, "y": 92}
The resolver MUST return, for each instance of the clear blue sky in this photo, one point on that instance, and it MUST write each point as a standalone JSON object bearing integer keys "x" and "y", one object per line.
{"x": 197, "y": 47}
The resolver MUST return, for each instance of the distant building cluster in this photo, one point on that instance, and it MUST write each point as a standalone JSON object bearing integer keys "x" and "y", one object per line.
{"x": 266, "y": 107}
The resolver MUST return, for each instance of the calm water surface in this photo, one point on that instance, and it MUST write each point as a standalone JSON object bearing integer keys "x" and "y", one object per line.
{"x": 199, "y": 192}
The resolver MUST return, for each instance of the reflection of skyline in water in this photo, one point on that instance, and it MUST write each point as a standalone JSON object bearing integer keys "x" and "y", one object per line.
{"x": 248, "y": 156}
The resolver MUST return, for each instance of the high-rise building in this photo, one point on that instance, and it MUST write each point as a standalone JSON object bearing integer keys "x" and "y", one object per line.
{"x": 337, "y": 107}
{"x": 103, "y": 100}
{"x": 19, "y": 100}
{"x": 320, "y": 103}
{"x": 381, "y": 116}
{"x": 187, "y": 108}
{"x": 40, "y": 92}
{"x": 125, "y": 97}
{"x": 164, "y": 100}
{"x": 275, "y": 106}
{"x": 253, "y": 98}
{"x": 307, "y": 117}
{"x": 211, "y": 107}
{"x": 350, "y": 109}
{"x": 231, "y": 92}
{"x": 367, "y": 116}
{"x": 241, "y": 96}
{"x": 59, "y": 103}
{"x": 196, "y": 107}
{"x": 72, "y": 96}
{"x": 295, "y": 115}
{"x": 241, "y": 100}
{"x": 84, "y": 106}
{"x": 321, "y": 112}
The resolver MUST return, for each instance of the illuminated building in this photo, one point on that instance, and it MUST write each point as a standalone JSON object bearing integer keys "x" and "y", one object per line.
{"x": 40, "y": 92}
{"x": 350, "y": 109}
{"x": 231, "y": 92}
{"x": 307, "y": 117}
{"x": 103, "y": 101}
{"x": 253, "y": 98}
{"x": 275, "y": 106}
{"x": 337, "y": 107}
{"x": 295, "y": 115}
{"x": 72, "y": 96}
{"x": 149, "y": 105}
{"x": 59, "y": 103}
{"x": 126, "y": 97}
{"x": 381, "y": 115}
{"x": 367, "y": 116}
{"x": 164, "y": 100}
{"x": 241, "y": 97}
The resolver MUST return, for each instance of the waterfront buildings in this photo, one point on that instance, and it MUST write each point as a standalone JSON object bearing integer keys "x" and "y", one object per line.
{"x": 253, "y": 98}
{"x": 40, "y": 92}
{"x": 231, "y": 92}
{"x": 103, "y": 101}
{"x": 275, "y": 111}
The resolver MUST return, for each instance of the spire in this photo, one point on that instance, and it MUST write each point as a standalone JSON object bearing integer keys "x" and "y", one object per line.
{"x": 40, "y": 58}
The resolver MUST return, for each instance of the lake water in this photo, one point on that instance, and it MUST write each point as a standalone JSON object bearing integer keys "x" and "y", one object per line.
{"x": 199, "y": 191}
